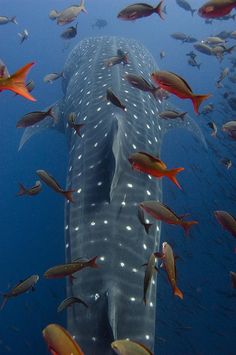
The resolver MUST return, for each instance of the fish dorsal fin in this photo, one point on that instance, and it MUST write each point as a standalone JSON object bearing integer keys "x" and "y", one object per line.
{"x": 185, "y": 82}
{"x": 143, "y": 346}
{"x": 152, "y": 157}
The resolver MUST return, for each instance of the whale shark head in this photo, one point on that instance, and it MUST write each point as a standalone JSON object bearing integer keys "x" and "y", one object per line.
{"x": 103, "y": 220}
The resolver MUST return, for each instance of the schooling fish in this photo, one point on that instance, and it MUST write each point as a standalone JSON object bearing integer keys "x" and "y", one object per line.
{"x": 129, "y": 347}
{"x": 69, "y": 301}
{"x": 23, "y": 35}
{"x": 51, "y": 182}
{"x": 168, "y": 258}
{"x": 222, "y": 76}
{"x": 186, "y": 6}
{"x": 142, "y": 220}
{"x": 16, "y": 82}
{"x": 68, "y": 269}
{"x": 172, "y": 114}
{"x": 31, "y": 191}
{"x": 227, "y": 221}
{"x": 49, "y": 78}
{"x": 153, "y": 166}
{"x": 176, "y": 85}
{"x": 233, "y": 278}
{"x": 165, "y": 214}
{"x": 4, "y": 20}
{"x": 34, "y": 117}
{"x": 226, "y": 162}
{"x": 139, "y": 10}
{"x": 69, "y": 14}
{"x": 114, "y": 99}
{"x": 21, "y": 287}
{"x": 213, "y": 126}
{"x": 230, "y": 129}
{"x": 70, "y": 32}
{"x": 59, "y": 341}
{"x": 76, "y": 126}
{"x": 216, "y": 8}
{"x": 142, "y": 84}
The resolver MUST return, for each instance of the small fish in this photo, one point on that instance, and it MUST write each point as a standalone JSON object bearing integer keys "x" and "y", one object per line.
{"x": 176, "y": 85}
{"x": 153, "y": 166}
{"x": 21, "y": 287}
{"x": 31, "y": 191}
{"x": 226, "y": 162}
{"x": 114, "y": 99}
{"x": 207, "y": 109}
{"x": 70, "y": 13}
{"x": 49, "y": 78}
{"x": 230, "y": 128}
{"x": 69, "y": 301}
{"x": 142, "y": 220}
{"x": 34, "y": 117}
{"x": 142, "y": 84}
{"x": 216, "y": 8}
{"x": 70, "y": 32}
{"x": 117, "y": 60}
{"x": 227, "y": 221}
{"x": 213, "y": 126}
{"x": 59, "y": 341}
{"x": 23, "y": 35}
{"x": 214, "y": 40}
{"x": 4, "y": 20}
{"x": 172, "y": 115}
{"x": 224, "y": 73}
{"x": 168, "y": 258}
{"x": 51, "y": 182}
{"x": 191, "y": 55}
{"x": 186, "y": 6}
{"x": 16, "y": 81}
{"x": 68, "y": 269}
{"x": 149, "y": 271}
{"x": 179, "y": 36}
{"x": 233, "y": 278}
{"x": 100, "y": 23}
{"x": 129, "y": 347}
{"x": 164, "y": 213}
{"x": 203, "y": 48}
{"x": 194, "y": 63}
{"x": 139, "y": 10}
{"x": 76, "y": 126}
{"x": 162, "y": 54}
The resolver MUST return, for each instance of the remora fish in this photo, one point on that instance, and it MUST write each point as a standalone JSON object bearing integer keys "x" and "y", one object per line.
{"x": 107, "y": 190}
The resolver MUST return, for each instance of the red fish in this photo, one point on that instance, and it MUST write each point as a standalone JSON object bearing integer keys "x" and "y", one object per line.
{"x": 16, "y": 82}
{"x": 176, "y": 85}
{"x": 216, "y": 8}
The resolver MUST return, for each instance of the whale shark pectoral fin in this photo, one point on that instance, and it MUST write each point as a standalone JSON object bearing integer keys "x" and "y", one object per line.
{"x": 112, "y": 313}
{"x": 187, "y": 123}
{"x": 43, "y": 125}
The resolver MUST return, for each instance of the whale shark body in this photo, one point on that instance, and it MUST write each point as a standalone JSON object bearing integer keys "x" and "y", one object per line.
{"x": 103, "y": 219}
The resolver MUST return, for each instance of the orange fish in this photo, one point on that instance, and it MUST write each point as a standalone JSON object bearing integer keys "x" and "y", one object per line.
{"x": 16, "y": 82}
{"x": 170, "y": 268}
{"x": 153, "y": 166}
{"x": 59, "y": 341}
{"x": 176, "y": 85}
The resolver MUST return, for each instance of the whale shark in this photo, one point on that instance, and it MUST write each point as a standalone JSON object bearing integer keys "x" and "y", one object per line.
{"x": 103, "y": 219}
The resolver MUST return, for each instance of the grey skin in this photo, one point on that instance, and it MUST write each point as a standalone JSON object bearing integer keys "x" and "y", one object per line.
{"x": 186, "y": 6}
{"x": 102, "y": 221}
{"x": 22, "y": 287}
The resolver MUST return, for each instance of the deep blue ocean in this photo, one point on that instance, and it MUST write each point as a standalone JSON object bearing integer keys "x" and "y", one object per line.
{"x": 32, "y": 228}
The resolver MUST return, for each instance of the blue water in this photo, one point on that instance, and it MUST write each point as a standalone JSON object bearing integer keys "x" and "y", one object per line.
{"x": 32, "y": 229}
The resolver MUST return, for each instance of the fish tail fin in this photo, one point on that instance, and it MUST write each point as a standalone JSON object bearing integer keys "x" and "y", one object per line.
{"x": 92, "y": 262}
{"x": 182, "y": 115}
{"x": 178, "y": 292}
{"x": 16, "y": 82}
{"x": 187, "y": 225}
{"x": 68, "y": 195}
{"x": 52, "y": 114}
{"x": 199, "y": 66}
{"x": 5, "y": 299}
{"x": 147, "y": 226}
{"x": 22, "y": 190}
{"x": 13, "y": 20}
{"x": 192, "y": 11}
{"x": 83, "y": 7}
{"x": 171, "y": 174}
{"x": 197, "y": 100}
{"x": 158, "y": 9}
